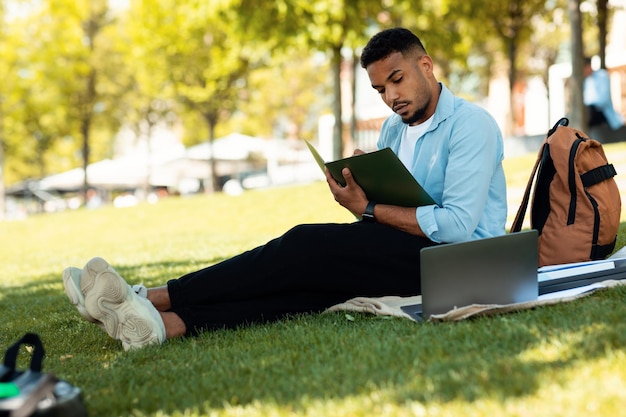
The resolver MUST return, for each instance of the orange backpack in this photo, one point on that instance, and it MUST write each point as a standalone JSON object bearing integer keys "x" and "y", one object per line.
{"x": 576, "y": 204}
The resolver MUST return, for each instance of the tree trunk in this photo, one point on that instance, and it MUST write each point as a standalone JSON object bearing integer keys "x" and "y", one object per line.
{"x": 84, "y": 130}
{"x": 147, "y": 185}
{"x": 577, "y": 108}
{"x": 85, "y": 127}
{"x": 602, "y": 31}
{"x": 2, "y": 192}
{"x": 354, "y": 67}
{"x": 338, "y": 128}
{"x": 512, "y": 56}
{"x": 211, "y": 184}
{"x": 91, "y": 28}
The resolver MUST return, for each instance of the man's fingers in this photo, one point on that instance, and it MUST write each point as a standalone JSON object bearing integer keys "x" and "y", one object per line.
{"x": 347, "y": 175}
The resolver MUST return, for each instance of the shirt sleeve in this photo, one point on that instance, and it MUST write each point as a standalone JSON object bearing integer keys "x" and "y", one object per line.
{"x": 473, "y": 158}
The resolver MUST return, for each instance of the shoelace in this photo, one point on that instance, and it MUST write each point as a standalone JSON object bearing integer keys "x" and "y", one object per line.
{"x": 140, "y": 290}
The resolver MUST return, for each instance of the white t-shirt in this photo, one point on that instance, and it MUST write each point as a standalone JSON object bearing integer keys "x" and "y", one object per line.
{"x": 409, "y": 139}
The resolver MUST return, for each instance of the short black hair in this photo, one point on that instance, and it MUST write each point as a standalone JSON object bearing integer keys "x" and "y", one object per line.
{"x": 388, "y": 41}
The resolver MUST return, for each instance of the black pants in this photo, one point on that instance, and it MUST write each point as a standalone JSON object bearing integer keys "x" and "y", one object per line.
{"x": 595, "y": 117}
{"x": 308, "y": 269}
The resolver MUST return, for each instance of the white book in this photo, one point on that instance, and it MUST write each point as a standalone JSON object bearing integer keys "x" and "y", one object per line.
{"x": 573, "y": 269}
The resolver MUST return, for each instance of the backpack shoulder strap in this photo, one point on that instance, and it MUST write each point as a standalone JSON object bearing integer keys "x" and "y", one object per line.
{"x": 521, "y": 212}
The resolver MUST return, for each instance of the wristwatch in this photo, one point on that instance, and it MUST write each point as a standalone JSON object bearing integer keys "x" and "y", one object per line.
{"x": 368, "y": 215}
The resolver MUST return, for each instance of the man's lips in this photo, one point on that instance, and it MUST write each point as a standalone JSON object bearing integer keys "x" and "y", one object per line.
{"x": 399, "y": 107}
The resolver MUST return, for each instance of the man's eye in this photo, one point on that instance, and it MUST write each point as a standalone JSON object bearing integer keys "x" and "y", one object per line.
{"x": 397, "y": 80}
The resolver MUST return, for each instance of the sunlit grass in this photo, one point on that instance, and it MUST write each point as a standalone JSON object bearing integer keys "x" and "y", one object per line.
{"x": 563, "y": 360}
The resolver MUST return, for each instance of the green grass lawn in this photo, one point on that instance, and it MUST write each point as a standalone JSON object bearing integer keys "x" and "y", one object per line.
{"x": 564, "y": 360}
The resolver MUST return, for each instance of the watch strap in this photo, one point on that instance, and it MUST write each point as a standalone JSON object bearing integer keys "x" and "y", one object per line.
{"x": 368, "y": 214}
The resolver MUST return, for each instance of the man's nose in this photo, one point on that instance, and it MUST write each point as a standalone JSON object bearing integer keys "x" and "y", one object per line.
{"x": 391, "y": 95}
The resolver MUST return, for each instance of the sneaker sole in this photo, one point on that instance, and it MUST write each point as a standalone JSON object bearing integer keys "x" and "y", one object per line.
{"x": 75, "y": 295}
{"x": 124, "y": 316}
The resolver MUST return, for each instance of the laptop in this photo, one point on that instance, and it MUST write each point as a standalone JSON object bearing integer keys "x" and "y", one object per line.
{"x": 496, "y": 270}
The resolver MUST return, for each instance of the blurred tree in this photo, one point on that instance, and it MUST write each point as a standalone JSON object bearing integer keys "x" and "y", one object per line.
{"x": 550, "y": 36}
{"x": 576, "y": 106}
{"x": 206, "y": 60}
{"x": 336, "y": 27}
{"x": 596, "y": 19}
{"x": 26, "y": 100}
{"x": 75, "y": 75}
{"x": 511, "y": 21}
{"x": 284, "y": 99}
{"x": 3, "y": 70}
{"x": 58, "y": 95}
{"x": 330, "y": 26}
{"x": 447, "y": 30}
{"x": 602, "y": 6}
{"x": 93, "y": 17}
{"x": 286, "y": 81}
{"x": 76, "y": 72}
{"x": 148, "y": 99}
{"x": 31, "y": 115}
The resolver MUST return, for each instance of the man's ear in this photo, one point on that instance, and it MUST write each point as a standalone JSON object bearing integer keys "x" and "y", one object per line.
{"x": 426, "y": 63}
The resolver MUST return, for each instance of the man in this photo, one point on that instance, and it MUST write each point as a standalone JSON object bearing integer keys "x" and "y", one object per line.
{"x": 452, "y": 147}
{"x": 597, "y": 98}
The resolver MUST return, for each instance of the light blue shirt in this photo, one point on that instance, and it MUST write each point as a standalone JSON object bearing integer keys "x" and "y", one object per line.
{"x": 458, "y": 161}
{"x": 597, "y": 92}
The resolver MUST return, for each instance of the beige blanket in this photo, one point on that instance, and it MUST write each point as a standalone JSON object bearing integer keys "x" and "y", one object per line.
{"x": 392, "y": 305}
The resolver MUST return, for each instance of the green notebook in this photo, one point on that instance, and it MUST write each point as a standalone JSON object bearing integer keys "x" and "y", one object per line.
{"x": 383, "y": 177}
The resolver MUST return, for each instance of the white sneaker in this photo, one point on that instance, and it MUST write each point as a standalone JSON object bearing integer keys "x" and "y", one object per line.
{"x": 71, "y": 283}
{"x": 125, "y": 316}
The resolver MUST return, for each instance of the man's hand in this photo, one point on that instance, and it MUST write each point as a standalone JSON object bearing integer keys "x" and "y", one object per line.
{"x": 352, "y": 196}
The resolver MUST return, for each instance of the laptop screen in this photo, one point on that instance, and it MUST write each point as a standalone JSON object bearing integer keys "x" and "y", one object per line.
{"x": 497, "y": 270}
